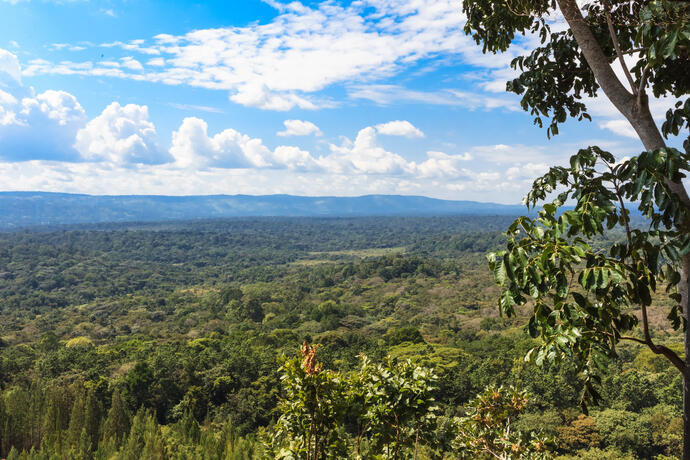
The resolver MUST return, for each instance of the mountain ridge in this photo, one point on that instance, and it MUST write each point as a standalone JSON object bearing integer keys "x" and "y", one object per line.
{"x": 30, "y": 208}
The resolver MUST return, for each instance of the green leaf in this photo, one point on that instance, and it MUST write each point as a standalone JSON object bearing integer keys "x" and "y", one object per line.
{"x": 500, "y": 272}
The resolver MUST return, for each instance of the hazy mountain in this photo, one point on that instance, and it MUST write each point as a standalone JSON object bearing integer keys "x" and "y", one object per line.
{"x": 21, "y": 209}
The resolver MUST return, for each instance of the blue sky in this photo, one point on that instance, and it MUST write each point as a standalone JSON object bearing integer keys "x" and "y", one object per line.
{"x": 263, "y": 97}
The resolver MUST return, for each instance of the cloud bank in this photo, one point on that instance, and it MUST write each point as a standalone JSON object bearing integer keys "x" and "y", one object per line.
{"x": 304, "y": 49}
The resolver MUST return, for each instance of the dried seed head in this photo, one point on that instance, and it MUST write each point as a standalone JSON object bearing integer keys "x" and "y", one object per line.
{"x": 311, "y": 367}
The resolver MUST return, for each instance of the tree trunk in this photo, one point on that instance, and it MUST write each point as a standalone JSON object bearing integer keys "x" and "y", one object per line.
{"x": 636, "y": 111}
{"x": 684, "y": 289}
{"x": 686, "y": 403}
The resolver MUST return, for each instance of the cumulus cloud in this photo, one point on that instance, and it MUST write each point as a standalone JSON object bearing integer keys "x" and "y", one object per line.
{"x": 295, "y": 159}
{"x": 39, "y": 127}
{"x": 193, "y": 147}
{"x": 399, "y": 128}
{"x": 121, "y": 135}
{"x": 53, "y": 126}
{"x": 441, "y": 165}
{"x": 365, "y": 155}
{"x": 46, "y": 142}
{"x": 299, "y": 128}
{"x": 620, "y": 127}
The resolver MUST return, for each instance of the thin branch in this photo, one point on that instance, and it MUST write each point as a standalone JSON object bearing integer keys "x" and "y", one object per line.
{"x": 645, "y": 328}
{"x": 516, "y": 12}
{"x": 660, "y": 349}
{"x": 643, "y": 83}
{"x": 624, "y": 211}
{"x": 633, "y": 51}
{"x": 617, "y": 46}
{"x": 634, "y": 339}
{"x": 624, "y": 337}
{"x": 656, "y": 349}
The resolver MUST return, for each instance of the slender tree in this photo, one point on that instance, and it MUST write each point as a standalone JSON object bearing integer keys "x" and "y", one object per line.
{"x": 117, "y": 423}
{"x": 583, "y": 298}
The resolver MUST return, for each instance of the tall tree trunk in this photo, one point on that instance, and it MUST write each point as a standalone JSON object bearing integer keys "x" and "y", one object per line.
{"x": 684, "y": 289}
{"x": 636, "y": 111}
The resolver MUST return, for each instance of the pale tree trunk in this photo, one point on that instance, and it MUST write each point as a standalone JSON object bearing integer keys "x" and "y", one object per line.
{"x": 636, "y": 110}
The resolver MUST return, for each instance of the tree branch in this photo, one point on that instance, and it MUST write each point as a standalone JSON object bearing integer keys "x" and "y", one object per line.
{"x": 596, "y": 59}
{"x": 617, "y": 47}
{"x": 643, "y": 82}
{"x": 624, "y": 211}
{"x": 660, "y": 349}
{"x": 633, "y": 339}
{"x": 636, "y": 112}
{"x": 656, "y": 349}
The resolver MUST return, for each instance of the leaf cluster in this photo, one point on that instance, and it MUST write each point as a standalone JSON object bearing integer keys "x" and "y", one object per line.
{"x": 582, "y": 299}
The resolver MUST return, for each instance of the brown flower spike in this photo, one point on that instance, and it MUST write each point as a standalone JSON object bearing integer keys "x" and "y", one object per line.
{"x": 311, "y": 367}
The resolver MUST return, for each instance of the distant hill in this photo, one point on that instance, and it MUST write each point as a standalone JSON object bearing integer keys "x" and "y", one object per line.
{"x": 24, "y": 209}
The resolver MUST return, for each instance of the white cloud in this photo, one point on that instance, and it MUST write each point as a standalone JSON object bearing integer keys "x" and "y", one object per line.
{"x": 299, "y": 128}
{"x": 133, "y": 45}
{"x": 66, "y": 46}
{"x": 440, "y": 164}
{"x": 526, "y": 172}
{"x": 117, "y": 151}
{"x": 304, "y": 49}
{"x": 399, "y": 128}
{"x": 258, "y": 95}
{"x": 53, "y": 126}
{"x": 502, "y": 154}
{"x": 39, "y": 127}
{"x": 10, "y": 71}
{"x": 389, "y": 94}
{"x": 620, "y": 127}
{"x": 295, "y": 159}
{"x": 157, "y": 62}
{"x": 131, "y": 63}
{"x": 192, "y": 147}
{"x": 103, "y": 178}
{"x": 365, "y": 155}
{"x": 194, "y": 107}
{"x": 121, "y": 135}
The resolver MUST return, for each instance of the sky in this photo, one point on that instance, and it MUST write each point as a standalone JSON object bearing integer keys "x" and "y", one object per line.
{"x": 254, "y": 97}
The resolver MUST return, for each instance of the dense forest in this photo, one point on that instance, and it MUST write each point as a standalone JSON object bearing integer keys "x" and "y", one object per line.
{"x": 297, "y": 338}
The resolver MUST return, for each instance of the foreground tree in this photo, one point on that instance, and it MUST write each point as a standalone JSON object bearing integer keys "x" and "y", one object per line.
{"x": 485, "y": 432}
{"x": 584, "y": 299}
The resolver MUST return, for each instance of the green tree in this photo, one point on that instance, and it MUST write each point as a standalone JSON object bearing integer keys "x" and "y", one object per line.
{"x": 93, "y": 414}
{"x": 311, "y": 411}
{"x": 485, "y": 432}
{"x": 581, "y": 433}
{"x": 77, "y": 418}
{"x": 138, "y": 383}
{"x": 583, "y": 298}
{"x": 116, "y": 425}
{"x": 399, "y": 407}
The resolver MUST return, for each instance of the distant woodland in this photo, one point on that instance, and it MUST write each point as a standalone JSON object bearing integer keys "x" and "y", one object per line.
{"x": 194, "y": 340}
